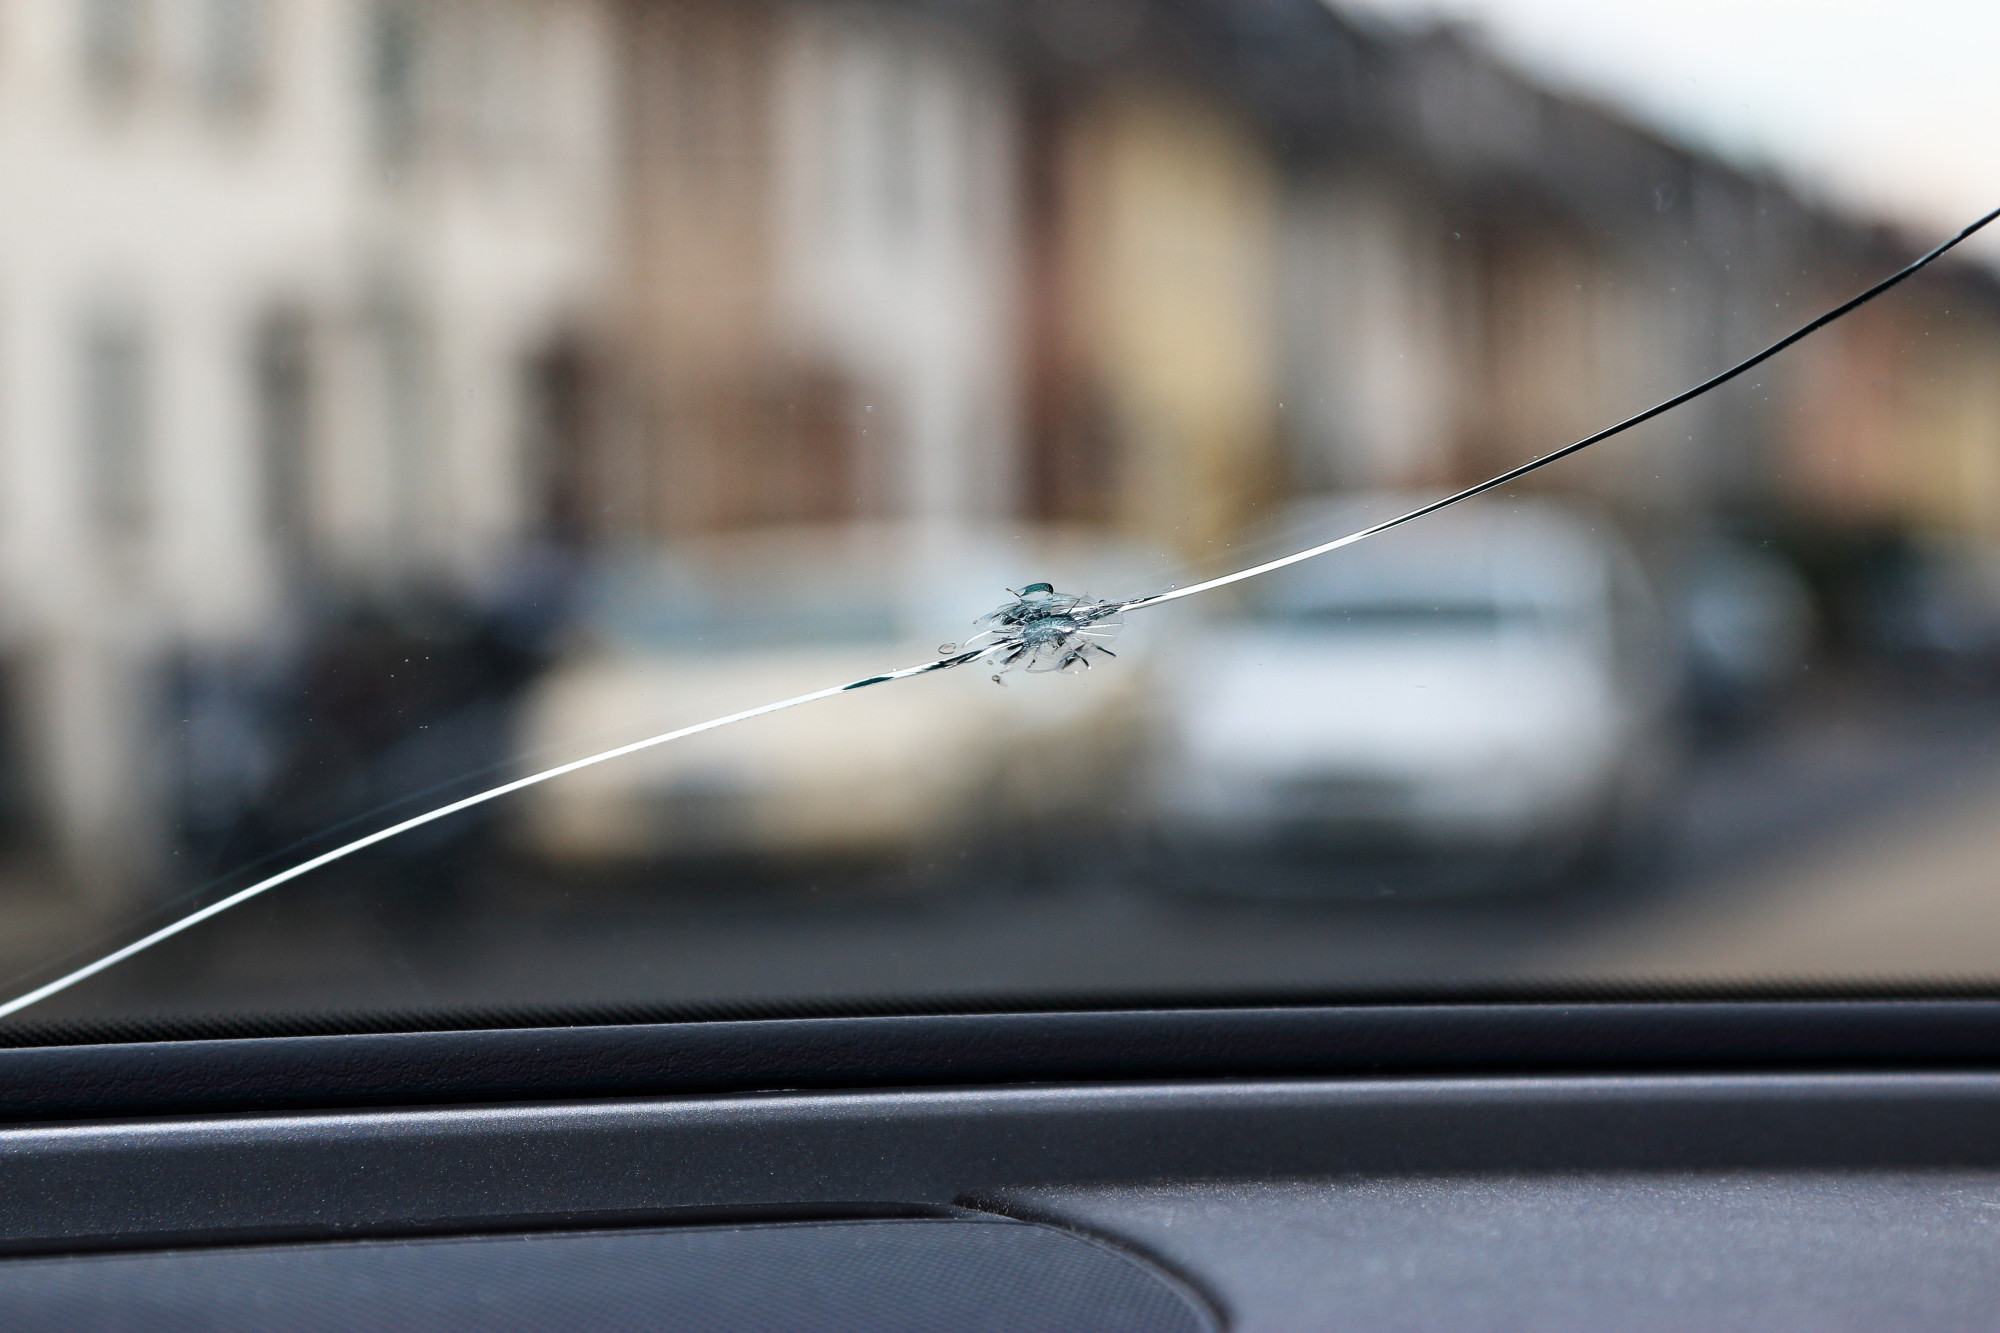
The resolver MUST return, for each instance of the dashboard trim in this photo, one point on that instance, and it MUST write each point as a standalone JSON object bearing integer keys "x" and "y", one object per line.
{"x": 558, "y": 1063}
{"x": 248, "y": 1177}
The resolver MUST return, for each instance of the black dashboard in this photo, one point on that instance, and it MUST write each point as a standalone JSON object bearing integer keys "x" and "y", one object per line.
{"x": 1777, "y": 1164}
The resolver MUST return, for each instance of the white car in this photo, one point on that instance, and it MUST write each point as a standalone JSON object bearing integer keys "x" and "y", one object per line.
{"x": 1489, "y": 679}
{"x": 728, "y": 623}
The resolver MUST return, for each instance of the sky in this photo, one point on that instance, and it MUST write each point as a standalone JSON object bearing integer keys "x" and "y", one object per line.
{"x": 1887, "y": 110}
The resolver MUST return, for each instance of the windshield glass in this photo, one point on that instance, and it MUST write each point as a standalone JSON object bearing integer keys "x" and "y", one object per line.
{"x": 575, "y": 509}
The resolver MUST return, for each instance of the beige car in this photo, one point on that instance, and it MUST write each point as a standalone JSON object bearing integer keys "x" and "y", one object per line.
{"x": 923, "y": 764}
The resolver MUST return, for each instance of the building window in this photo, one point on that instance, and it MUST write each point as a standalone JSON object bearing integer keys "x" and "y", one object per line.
{"x": 114, "y": 46}
{"x": 562, "y": 462}
{"x": 896, "y": 156}
{"x": 399, "y": 353}
{"x": 234, "y": 52}
{"x": 114, "y": 427}
{"x": 282, "y": 382}
{"x": 392, "y": 77}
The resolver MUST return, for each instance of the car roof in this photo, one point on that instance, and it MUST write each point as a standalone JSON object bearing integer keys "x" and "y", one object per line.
{"x": 1530, "y": 553}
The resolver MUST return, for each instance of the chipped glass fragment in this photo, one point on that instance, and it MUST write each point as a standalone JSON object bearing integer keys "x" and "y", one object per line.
{"x": 1044, "y": 630}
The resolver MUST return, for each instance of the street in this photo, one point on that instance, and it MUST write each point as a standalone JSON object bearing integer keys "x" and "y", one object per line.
{"x": 1856, "y": 838}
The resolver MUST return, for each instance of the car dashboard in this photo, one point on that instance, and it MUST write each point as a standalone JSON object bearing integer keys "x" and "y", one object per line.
{"x": 1770, "y": 1164}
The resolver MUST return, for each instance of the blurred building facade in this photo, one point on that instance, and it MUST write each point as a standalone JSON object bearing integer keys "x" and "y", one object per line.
{"x": 306, "y": 298}
{"x": 268, "y": 275}
{"x": 818, "y": 227}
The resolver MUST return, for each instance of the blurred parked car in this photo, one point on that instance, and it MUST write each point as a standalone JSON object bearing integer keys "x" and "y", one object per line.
{"x": 1749, "y": 625}
{"x": 1932, "y": 606}
{"x": 370, "y": 703}
{"x": 732, "y": 622}
{"x": 1491, "y": 682}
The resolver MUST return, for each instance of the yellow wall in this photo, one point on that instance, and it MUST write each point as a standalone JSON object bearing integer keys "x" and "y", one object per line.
{"x": 1177, "y": 241}
{"x": 1897, "y": 421}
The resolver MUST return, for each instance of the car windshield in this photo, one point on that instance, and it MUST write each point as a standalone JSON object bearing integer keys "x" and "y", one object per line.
{"x": 597, "y": 510}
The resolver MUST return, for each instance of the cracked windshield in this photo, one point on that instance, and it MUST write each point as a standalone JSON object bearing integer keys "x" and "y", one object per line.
{"x": 634, "y": 508}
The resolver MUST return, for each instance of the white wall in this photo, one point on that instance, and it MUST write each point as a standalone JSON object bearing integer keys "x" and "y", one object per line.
{"x": 190, "y": 221}
{"x": 898, "y": 251}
